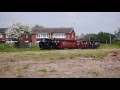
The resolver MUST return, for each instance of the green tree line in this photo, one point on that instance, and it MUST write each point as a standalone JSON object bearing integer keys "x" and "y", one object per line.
{"x": 103, "y": 37}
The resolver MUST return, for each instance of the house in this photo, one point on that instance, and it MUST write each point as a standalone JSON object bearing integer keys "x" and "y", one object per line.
{"x": 5, "y": 39}
{"x": 52, "y": 33}
{"x": 3, "y": 35}
{"x": 37, "y": 34}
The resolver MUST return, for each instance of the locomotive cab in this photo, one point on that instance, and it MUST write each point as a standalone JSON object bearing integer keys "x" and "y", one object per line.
{"x": 47, "y": 44}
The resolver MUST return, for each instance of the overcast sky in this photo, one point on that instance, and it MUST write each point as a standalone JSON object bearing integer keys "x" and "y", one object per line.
{"x": 82, "y": 22}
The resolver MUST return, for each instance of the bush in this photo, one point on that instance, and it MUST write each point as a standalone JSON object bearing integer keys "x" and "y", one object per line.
{"x": 117, "y": 43}
{"x": 9, "y": 48}
{"x": 21, "y": 45}
{"x": 32, "y": 48}
{"x": 35, "y": 47}
{"x": 5, "y": 47}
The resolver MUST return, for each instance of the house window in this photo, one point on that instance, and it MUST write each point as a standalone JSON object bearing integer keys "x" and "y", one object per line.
{"x": 42, "y": 35}
{"x": 1, "y": 36}
{"x": 58, "y": 35}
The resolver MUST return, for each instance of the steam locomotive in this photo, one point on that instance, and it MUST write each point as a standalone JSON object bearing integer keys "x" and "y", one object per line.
{"x": 67, "y": 44}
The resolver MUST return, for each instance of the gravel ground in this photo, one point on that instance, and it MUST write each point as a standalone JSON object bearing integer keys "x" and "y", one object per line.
{"x": 81, "y": 67}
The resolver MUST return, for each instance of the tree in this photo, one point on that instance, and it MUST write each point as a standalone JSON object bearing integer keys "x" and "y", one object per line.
{"x": 91, "y": 36}
{"x": 117, "y": 37}
{"x": 79, "y": 36}
{"x": 16, "y": 30}
{"x": 117, "y": 34}
{"x": 104, "y": 37}
{"x": 37, "y": 27}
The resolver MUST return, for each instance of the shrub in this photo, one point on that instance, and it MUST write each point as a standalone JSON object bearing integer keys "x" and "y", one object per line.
{"x": 117, "y": 43}
{"x": 35, "y": 47}
{"x": 5, "y": 47}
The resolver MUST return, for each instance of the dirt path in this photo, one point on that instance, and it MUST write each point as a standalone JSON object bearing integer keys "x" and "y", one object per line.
{"x": 104, "y": 67}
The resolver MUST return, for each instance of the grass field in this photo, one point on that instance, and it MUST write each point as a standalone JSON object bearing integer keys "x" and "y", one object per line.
{"x": 107, "y": 46}
{"x": 68, "y": 63}
{"x": 7, "y": 48}
{"x": 58, "y": 54}
{"x": 36, "y": 53}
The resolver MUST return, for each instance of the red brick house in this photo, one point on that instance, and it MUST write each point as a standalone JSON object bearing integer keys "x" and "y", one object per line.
{"x": 5, "y": 39}
{"x": 51, "y": 33}
{"x": 2, "y": 35}
{"x": 37, "y": 34}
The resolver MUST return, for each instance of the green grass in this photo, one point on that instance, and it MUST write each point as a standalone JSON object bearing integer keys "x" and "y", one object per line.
{"x": 94, "y": 73}
{"x": 43, "y": 70}
{"x": 26, "y": 66}
{"x": 19, "y": 73}
{"x": 46, "y": 70}
{"x": 7, "y": 68}
{"x": 20, "y": 76}
{"x": 7, "y": 48}
{"x": 107, "y": 46}
{"x": 53, "y": 70}
{"x": 36, "y": 54}
{"x": 58, "y": 54}
{"x": 64, "y": 54}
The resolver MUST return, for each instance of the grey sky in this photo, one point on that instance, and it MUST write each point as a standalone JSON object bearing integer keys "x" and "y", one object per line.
{"x": 82, "y": 22}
